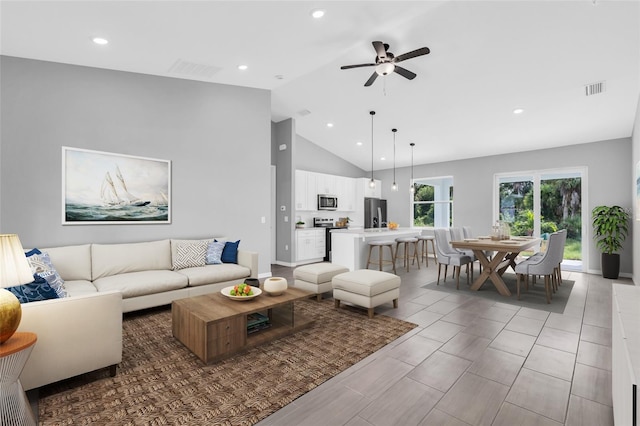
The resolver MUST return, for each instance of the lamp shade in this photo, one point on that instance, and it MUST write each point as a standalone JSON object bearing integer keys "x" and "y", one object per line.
{"x": 14, "y": 268}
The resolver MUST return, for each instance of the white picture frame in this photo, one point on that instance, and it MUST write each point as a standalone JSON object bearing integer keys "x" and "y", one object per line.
{"x": 107, "y": 188}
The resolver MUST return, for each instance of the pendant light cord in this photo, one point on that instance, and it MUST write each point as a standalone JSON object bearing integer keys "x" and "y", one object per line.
{"x": 372, "y": 114}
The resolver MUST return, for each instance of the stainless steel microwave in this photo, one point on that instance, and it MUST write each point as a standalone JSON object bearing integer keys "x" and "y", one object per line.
{"x": 327, "y": 202}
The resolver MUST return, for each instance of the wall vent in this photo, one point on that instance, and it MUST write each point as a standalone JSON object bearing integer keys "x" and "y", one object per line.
{"x": 192, "y": 69}
{"x": 594, "y": 88}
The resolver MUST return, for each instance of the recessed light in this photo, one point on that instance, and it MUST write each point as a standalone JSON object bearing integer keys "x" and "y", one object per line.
{"x": 317, "y": 13}
{"x": 382, "y": 158}
{"x": 242, "y": 67}
{"x": 359, "y": 143}
{"x": 329, "y": 124}
{"x": 518, "y": 111}
{"x": 100, "y": 40}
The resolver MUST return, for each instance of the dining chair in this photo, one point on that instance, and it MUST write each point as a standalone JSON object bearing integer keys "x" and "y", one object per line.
{"x": 545, "y": 265}
{"x": 468, "y": 233}
{"x": 457, "y": 234}
{"x": 447, "y": 255}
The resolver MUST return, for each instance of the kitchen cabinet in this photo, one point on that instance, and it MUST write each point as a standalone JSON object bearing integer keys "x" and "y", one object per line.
{"x": 310, "y": 244}
{"x": 305, "y": 191}
{"x": 371, "y": 192}
{"x": 346, "y": 192}
{"x": 326, "y": 184}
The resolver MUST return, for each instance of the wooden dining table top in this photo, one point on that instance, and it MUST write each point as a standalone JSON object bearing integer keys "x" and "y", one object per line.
{"x": 514, "y": 244}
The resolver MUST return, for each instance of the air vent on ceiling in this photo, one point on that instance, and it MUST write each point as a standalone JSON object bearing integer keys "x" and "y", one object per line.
{"x": 304, "y": 112}
{"x": 594, "y": 88}
{"x": 192, "y": 69}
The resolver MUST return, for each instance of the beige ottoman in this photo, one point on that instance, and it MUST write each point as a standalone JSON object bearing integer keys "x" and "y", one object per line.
{"x": 366, "y": 288}
{"x": 316, "y": 277}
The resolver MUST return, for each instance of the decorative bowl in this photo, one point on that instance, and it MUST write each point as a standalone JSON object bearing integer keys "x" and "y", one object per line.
{"x": 227, "y": 292}
{"x": 275, "y": 286}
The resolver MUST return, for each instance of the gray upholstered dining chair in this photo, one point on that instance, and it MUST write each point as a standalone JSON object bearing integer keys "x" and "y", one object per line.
{"x": 447, "y": 255}
{"x": 545, "y": 265}
{"x": 457, "y": 234}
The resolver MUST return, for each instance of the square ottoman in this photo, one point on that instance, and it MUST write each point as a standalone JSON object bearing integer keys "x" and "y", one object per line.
{"x": 316, "y": 277}
{"x": 366, "y": 288}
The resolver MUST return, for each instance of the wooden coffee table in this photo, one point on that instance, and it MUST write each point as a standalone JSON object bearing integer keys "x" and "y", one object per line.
{"x": 214, "y": 327}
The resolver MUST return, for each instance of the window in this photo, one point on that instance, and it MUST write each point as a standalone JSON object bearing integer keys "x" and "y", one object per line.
{"x": 433, "y": 202}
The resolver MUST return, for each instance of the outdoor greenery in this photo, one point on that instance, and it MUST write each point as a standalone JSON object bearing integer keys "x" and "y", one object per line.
{"x": 560, "y": 209}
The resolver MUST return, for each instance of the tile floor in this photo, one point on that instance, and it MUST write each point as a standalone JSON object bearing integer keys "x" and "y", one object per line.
{"x": 474, "y": 362}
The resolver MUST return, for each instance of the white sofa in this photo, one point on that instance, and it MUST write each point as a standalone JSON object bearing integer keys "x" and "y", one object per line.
{"x": 83, "y": 332}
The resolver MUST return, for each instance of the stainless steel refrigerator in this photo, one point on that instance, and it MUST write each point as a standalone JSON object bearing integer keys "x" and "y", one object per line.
{"x": 375, "y": 213}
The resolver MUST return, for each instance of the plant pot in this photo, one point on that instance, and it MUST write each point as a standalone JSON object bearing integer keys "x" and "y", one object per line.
{"x": 610, "y": 265}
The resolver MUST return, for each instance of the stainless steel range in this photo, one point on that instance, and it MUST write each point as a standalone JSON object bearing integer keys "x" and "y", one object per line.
{"x": 328, "y": 224}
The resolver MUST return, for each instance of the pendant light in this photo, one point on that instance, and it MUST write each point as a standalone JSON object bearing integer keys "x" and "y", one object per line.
{"x": 413, "y": 187}
{"x": 394, "y": 187}
{"x": 372, "y": 182}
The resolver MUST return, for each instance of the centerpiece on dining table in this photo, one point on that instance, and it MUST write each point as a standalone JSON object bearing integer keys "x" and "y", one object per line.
{"x": 500, "y": 231}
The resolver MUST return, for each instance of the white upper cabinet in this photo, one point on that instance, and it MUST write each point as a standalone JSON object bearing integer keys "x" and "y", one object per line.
{"x": 305, "y": 191}
{"x": 309, "y": 184}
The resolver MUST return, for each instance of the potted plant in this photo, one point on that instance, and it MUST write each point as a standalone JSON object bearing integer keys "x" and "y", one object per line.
{"x": 611, "y": 227}
{"x": 299, "y": 224}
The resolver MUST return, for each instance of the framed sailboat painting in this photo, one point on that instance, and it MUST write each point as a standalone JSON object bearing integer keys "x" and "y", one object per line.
{"x": 106, "y": 188}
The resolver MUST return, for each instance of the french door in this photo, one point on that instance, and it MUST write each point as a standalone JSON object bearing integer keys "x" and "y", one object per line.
{"x": 543, "y": 201}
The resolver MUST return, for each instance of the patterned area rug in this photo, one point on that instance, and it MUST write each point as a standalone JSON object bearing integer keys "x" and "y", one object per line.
{"x": 161, "y": 382}
{"x": 534, "y": 298}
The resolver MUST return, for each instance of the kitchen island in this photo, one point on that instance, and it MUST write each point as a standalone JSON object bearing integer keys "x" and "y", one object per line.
{"x": 349, "y": 247}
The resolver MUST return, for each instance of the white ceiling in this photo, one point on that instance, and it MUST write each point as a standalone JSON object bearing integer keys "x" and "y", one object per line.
{"x": 487, "y": 58}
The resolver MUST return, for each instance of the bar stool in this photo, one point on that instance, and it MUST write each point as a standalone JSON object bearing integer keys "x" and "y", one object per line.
{"x": 422, "y": 243}
{"x": 380, "y": 244}
{"x": 406, "y": 241}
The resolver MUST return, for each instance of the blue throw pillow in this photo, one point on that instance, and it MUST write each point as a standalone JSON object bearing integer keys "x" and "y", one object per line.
{"x": 35, "y": 291}
{"x": 230, "y": 252}
{"x": 214, "y": 253}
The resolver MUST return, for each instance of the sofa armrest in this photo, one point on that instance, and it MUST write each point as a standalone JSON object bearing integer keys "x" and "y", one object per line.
{"x": 76, "y": 335}
{"x": 250, "y": 260}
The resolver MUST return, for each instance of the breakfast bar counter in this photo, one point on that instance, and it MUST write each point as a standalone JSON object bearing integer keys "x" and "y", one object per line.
{"x": 349, "y": 247}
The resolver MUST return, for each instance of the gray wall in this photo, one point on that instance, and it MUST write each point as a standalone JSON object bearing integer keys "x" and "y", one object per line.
{"x": 635, "y": 172}
{"x": 217, "y": 138}
{"x": 312, "y": 158}
{"x": 283, "y": 134}
{"x": 609, "y": 171}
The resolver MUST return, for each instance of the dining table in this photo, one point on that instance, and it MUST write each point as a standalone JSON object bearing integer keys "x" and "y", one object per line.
{"x": 505, "y": 252}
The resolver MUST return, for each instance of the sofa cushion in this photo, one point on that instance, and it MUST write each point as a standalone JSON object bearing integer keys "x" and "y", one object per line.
{"x": 113, "y": 259}
{"x": 35, "y": 291}
{"x": 40, "y": 264}
{"x": 134, "y": 284}
{"x": 71, "y": 262}
{"x": 214, "y": 253}
{"x": 175, "y": 243}
{"x": 79, "y": 288}
{"x": 211, "y": 274}
{"x": 230, "y": 252}
{"x": 189, "y": 254}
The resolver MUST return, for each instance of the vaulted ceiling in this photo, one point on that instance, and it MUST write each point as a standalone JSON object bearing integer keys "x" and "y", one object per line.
{"x": 487, "y": 59}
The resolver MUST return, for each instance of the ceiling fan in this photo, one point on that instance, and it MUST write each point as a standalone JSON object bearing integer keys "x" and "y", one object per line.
{"x": 386, "y": 62}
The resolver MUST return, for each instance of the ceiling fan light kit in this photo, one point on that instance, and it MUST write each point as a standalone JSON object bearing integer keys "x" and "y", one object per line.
{"x": 386, "y": 62}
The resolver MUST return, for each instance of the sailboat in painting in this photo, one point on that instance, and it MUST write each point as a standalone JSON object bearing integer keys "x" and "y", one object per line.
{"x": 112, "y": 197}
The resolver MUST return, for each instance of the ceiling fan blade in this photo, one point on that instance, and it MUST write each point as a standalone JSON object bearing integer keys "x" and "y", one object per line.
{"x": 371, "y": 79}
{"x": 380, "y": 49}
{"x": 412, "y": 54}
{"x": 405, "y": 72}
{"x": 346, "y": 67}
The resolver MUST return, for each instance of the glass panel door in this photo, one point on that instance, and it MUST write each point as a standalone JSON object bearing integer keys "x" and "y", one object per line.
{"x": 541, "y": 202}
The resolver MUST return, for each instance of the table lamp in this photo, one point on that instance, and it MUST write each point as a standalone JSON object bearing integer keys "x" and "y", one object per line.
{"x": 14, "y": 270}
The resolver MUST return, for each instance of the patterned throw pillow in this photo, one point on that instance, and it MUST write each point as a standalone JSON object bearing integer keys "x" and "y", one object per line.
{"x": 38, "y": 290}
{"x": 40, "y": 263}
{"x": 230, "y": 252}
{"x": 190, "y": 254}
{"x": 214, "y": 253}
